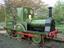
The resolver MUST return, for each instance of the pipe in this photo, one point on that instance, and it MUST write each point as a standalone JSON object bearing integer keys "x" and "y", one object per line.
{"x": 50, "y": 11}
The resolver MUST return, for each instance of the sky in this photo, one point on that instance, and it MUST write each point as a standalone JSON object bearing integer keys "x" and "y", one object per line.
{"x": 50, "y": 2}
{"x": 1, "y": 1}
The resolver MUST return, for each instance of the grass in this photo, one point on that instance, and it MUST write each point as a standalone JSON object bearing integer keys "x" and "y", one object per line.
{"x": 60, "y": 28}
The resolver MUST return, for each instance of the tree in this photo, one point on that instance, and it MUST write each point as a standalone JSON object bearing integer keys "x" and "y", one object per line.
{"x": 59, "y": 11}
{"x": 2, "y": 13}
{"x": 24, "y": 3}
{"x": 38, "y": 6}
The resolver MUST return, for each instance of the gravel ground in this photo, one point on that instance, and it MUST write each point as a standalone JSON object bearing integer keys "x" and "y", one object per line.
{"x": 54, "y": 44}
{"x": 7, "y": 42}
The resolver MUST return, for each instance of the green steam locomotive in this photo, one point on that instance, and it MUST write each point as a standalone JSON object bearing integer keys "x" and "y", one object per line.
{"x": 23, "y": 24}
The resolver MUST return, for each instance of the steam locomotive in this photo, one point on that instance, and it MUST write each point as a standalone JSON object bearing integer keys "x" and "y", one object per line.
{"x": 23, "y": 25}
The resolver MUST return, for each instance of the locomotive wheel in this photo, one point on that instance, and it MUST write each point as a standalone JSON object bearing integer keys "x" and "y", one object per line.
{"x": 9, "y": 32}
{"x": 19, "y": 36}
{"x": 36, "y": 39}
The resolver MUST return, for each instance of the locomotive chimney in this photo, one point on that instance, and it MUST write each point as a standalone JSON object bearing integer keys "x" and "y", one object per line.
{"x": 50, "y": 11}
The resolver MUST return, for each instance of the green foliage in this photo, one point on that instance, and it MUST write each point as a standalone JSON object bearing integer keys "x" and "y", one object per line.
{"x": 58, "y": 19}
{"x": 59, "y": 12}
